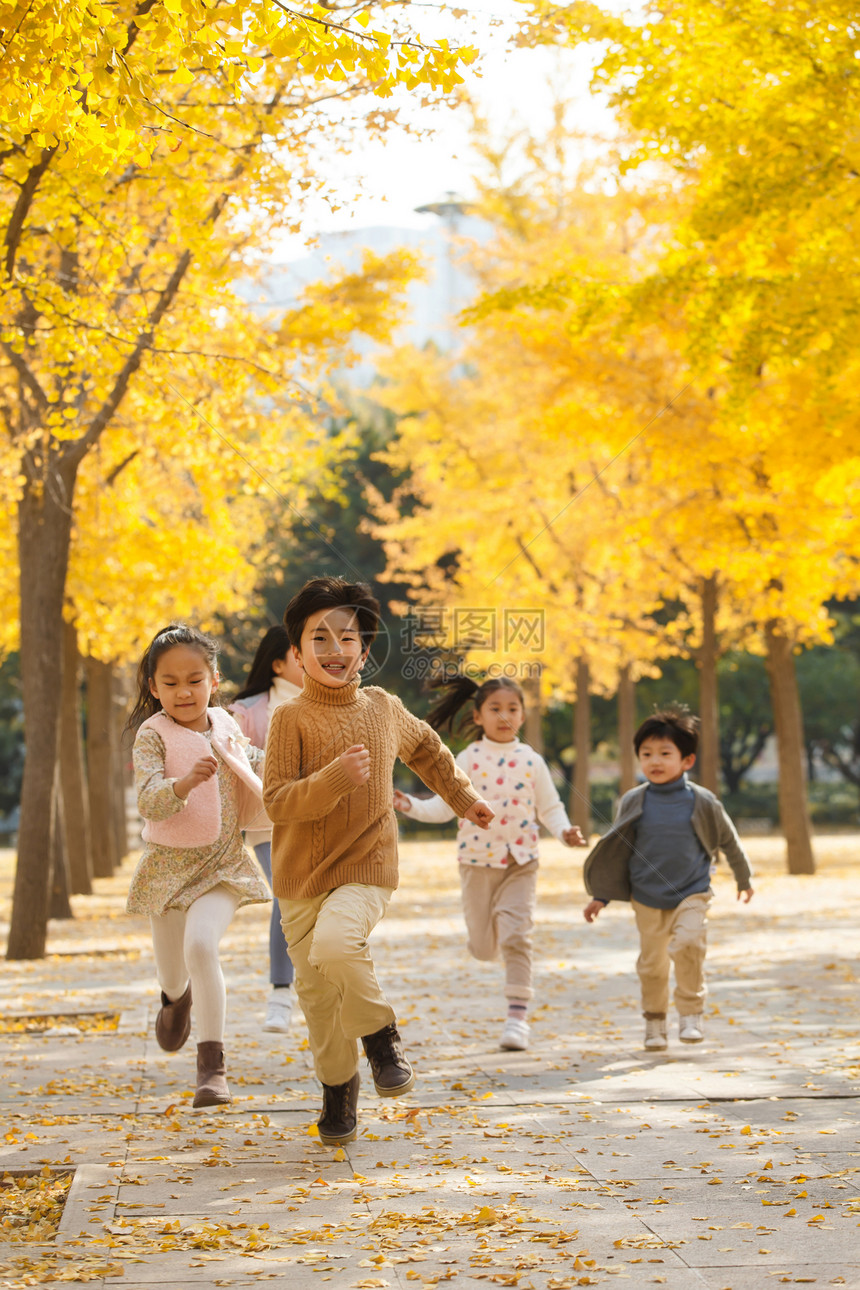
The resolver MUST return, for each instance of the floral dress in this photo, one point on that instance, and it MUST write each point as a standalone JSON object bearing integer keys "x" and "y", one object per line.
{"x": 174, "y": 877}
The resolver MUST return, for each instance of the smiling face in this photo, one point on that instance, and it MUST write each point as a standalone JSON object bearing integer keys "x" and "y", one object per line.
{"x": 331, "y": 651}
{"x": 500, "y": 715}
{"x": 182, "y": 683}
{"x": 662, "y": 761}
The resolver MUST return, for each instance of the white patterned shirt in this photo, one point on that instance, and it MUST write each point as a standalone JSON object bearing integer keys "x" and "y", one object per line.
{"x": 516, "y": 782}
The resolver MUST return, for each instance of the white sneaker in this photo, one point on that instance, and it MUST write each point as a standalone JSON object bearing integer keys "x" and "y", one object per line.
{"x": 279, "y": 1012}
{"x": 515, "y": 1035}
{"x": 655, "y": 1033}
{"x": 691, "y": 1030}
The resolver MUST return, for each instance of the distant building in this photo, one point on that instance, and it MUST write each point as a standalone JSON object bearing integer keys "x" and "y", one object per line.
{"x": 432, "y": 304}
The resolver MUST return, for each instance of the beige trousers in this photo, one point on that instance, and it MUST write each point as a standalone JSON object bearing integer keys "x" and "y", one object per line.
{"x": 676, "y": 936}
{"x": 327, "y": 937}
{"x": 499, "y": 909}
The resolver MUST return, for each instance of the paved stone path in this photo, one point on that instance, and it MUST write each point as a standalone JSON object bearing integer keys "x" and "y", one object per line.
{"x": 584, "y": 1161}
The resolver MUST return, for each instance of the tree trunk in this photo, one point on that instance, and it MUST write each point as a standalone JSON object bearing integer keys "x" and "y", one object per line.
{"x": 580, "y": 797}
{"x": 709, "y": 715}
{"x": 810, "y": 763}
{"x": 59, "y": 906}
{"x": 119, "y": 775}
{"x": 101, "y": 766}
{"x": 44, "y": 535}
{"x": 533, "y": 727}
{"x": 626, "y": 730}
{"x": 788, "y": 720}
{"x": 76, "y": 815}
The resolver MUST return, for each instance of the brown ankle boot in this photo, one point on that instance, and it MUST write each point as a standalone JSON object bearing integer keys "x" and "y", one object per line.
{"x": 212, "y": 1087}
{"x": 173, "y": 1023}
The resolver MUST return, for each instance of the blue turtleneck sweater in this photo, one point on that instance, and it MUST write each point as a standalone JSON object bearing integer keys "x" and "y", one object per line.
{"x": 669, "y": 862}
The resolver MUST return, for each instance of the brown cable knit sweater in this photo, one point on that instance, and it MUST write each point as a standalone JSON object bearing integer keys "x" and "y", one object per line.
{"x": 328, "y": 831}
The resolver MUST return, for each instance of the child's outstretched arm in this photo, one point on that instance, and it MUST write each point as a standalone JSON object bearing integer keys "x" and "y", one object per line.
{"x": 423, "y": 751}
{"x": 428, "y": 810}
{"x": 732, "y": 848}
{"x": 550, "y": 808}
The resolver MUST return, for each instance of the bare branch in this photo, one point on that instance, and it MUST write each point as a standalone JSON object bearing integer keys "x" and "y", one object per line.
{"x": 22, "y": 206}
{"x": 28, "y": 377}
{"x": 117, "y": 470}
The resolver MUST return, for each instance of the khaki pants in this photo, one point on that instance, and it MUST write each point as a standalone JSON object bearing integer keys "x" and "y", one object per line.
{"x": 335, "y": 979}
{"x": 499, "y": 909}
{"x": 678, "y": 936}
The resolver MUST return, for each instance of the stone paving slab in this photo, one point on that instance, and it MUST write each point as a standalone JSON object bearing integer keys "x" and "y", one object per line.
{"x": 582, "y": 1161}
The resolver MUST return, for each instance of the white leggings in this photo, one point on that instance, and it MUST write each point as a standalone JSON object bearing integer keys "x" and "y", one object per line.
{"x": 186, "y": 946}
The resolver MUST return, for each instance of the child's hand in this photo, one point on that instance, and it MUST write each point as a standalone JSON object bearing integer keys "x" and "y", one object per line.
{"x": 480, "y": 813}
{"x": 202, "y": 770}
{"x": 746, "y": 895}
{"x": 402, "y": 802}
{"x": 356, "y": 763}
{"x": 572, "y": 837}
{"x": 592, "y": 909}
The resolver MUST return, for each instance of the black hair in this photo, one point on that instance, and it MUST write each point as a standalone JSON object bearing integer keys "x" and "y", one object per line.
{"x": 461, "y": 689}
{"x": 677, "y": 724}
{"x": 333, "y": 593}
{"x": 275, "y": 644}
{"x": 174, "y": 634}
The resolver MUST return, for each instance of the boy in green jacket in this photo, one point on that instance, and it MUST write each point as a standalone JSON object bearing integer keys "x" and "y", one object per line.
{"x": 658, "y": 855}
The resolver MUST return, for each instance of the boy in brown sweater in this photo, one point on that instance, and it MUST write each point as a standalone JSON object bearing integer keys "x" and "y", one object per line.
{"x": 327, "y": 788}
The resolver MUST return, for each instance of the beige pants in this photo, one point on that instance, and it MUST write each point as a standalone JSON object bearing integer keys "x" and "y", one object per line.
{"x": 335, "y": 980}
{"x": 676, "y": 936}
{"x": 499, "y": 909}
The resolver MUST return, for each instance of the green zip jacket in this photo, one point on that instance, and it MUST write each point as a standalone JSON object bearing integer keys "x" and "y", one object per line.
{"x": 606, "y": 872}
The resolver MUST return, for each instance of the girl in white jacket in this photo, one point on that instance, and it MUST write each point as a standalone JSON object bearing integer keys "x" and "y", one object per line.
{"x": 498, "y": 865}
{"x": 274, "y": 678}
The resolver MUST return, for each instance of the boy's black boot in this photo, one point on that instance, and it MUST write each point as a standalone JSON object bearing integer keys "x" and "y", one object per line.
{"x": 173, "y": 1023}
{"x": 392, "y": 1074}
{"x": 339, "y": 1119}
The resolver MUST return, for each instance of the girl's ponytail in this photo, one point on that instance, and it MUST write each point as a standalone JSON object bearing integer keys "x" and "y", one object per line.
{"x": 146, "y": 704}
{"x": 460, "y": 690}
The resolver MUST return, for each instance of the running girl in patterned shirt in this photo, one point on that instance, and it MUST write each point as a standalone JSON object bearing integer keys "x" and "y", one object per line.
{"x": 498, "y": 865}
{"x": 194, "y": 772}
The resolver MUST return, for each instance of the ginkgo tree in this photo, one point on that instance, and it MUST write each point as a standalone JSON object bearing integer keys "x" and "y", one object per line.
{"x": 149, "y": 150}
{"x": 749, "y": 108}
{"x": 582, "y": 445}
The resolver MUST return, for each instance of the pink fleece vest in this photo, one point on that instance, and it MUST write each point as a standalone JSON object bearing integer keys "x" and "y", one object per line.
{"x": 198, "y": 824}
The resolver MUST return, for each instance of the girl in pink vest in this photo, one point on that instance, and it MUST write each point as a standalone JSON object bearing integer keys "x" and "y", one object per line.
{"x": 274, "y": 678}
{"x": 498, "y": 865}
{"x": 196, "y": 790}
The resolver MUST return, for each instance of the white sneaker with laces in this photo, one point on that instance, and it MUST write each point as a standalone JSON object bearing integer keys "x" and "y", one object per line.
{"x": 655, "y": 1034}
{"x": 515, "y": 1035}
{"x": 279, "y": 1012}
{"x": 691, "y": 1030}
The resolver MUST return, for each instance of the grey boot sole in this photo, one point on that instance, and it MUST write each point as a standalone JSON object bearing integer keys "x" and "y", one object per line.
{"x": 396, "y": 1092}
{"x": 338, "y": 1141}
